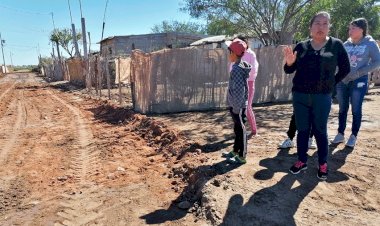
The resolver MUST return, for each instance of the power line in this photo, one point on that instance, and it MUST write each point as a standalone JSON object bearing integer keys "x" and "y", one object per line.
{"x": 80, "y": 6}
{"x": 23, "y": 11}
{"x": 68, "y": 2}
{"x": 22, "y": 46}
{"x": 28, "y": 31}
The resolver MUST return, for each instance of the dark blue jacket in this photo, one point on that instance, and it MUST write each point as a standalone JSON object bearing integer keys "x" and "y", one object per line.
{"x": 319, "y": 71}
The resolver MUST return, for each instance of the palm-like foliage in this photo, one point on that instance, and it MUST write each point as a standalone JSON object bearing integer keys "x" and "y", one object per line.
{"x": 64, "y": 38}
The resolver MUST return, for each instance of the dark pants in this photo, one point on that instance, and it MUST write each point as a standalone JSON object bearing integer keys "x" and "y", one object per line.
{"x": 240, "y": 144}
{"x": 312, "y": 110}
{"x": 353, "y": 92}
{"x": 293, "y": 128}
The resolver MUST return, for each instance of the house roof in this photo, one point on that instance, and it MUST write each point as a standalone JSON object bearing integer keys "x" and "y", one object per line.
{"x": 153, "y": 34}
{"x": 209, "y": 40}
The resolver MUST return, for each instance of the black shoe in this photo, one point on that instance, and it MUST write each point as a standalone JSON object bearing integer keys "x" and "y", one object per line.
{"x": 322, "y": 172}
{"x": 298, "y": 167}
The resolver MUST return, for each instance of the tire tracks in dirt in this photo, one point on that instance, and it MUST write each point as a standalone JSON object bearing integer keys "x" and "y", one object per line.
{"x": 14, "y": 132}
{"x": 82, "y": 159}
{"x": 12, "y": 188}
{"x": 80, "y": 208}
{"x": 8, "y": 89}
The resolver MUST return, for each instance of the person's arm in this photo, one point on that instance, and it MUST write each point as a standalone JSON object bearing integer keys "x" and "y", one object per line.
{"x": 255, "y": 66}
{"x": 343, "y": 63}
{"x": 374, "y": 54}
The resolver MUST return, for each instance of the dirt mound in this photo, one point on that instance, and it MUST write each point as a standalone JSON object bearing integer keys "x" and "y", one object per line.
{"x": 108, "y": 113}
{"x": 186, "y": 155}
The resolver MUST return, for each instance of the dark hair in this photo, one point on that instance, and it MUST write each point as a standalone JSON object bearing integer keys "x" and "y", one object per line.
{"x": 321, "y": 13}
{"x": 361, "y": 23}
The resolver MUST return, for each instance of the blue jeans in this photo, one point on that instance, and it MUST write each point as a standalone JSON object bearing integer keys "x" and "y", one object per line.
{"x": 353, "y": 92}
{"x": 312, "y": 111}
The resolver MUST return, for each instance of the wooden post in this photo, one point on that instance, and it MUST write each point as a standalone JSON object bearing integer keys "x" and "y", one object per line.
{"x": 118, "y": 63}
{"x": 108, "y": 79}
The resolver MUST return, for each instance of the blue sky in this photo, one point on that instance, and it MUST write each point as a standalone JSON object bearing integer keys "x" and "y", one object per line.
{"x": 25, "y": 25}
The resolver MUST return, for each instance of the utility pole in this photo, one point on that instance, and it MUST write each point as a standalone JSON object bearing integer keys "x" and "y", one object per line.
{"x": 104, "y": 18}
{"x": 52, "y": 18}
{"x": 83, "y": 32}
{"x": 77, "y": 54}
{"x": 39, "y": 53}
{"x": 2, "y": 50}
{"x": 10, "y": 54}
{"x": 52, "y": 44}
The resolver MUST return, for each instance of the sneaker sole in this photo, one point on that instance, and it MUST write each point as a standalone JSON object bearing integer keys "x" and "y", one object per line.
{"x": 294, "y": 173}
{"x": 322, "y": 178}
{"x": 338, "y": 142}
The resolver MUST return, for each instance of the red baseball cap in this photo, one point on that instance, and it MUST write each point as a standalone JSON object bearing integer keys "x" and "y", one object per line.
{"x": 237, "y": 46}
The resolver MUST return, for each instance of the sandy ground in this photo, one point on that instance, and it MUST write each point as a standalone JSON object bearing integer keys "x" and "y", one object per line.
{"x": 67, "y": 159}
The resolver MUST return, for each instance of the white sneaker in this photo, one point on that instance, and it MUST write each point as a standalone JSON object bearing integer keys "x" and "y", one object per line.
{"x": 339, "y": 138}
{"x": 288, "y": 143}
{"x": 312, "y": 144}
{"x": 351, "y": 141}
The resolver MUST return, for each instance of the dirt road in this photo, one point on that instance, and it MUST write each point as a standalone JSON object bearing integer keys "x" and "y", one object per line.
{"x": 64, "y": 161}
{"x": 67, "y": 159}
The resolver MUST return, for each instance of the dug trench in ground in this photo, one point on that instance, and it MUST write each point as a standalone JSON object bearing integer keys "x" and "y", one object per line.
{"x": 187, "y": 165}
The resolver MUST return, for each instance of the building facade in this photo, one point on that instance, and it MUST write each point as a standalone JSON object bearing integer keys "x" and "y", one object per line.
{"x": 123, "y": 45}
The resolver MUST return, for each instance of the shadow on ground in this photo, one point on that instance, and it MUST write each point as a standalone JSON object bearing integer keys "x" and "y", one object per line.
{"x": 282, "y": 199}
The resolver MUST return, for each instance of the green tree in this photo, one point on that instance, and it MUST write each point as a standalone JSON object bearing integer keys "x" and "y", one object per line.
{"x": 63, "y": 37}
{"x": 176, "y": 26}
{"x": 55, "y": 37}
{"x": 221, "y": 26}
{"x": 342, "y": 13}
{"x": 272, "y": 21}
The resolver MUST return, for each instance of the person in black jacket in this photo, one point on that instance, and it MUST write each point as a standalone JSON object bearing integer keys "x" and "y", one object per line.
{"x": 315, "y": 63}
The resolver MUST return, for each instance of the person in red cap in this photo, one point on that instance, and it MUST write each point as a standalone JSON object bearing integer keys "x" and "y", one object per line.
{"x": 250, "y": 57}
{"x": 237, "y": 96}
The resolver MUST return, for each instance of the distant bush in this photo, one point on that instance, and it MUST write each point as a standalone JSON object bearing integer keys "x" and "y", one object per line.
{"x": 36, "y": 69}
{"x": 25, "y": 68}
